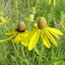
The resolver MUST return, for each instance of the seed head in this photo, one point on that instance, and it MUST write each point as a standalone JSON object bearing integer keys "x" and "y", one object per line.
{"x": 21, "y": 26}
{"x": 42, "y": 23}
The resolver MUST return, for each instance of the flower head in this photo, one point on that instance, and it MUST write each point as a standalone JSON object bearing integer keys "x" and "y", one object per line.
{"x": 20, "y": 34}
{"x": 45, "y": 32}
{"x": 4, "y": 20}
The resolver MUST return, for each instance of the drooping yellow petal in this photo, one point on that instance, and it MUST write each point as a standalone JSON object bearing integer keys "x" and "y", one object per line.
{"x": 55, "y": 30}
{"x": 23, "y": 34}
{"x": 53, "y": 34}
{"x": 21, "y": 37}
{"x": 34, "y": 40}
{"x": 51, "y": 38}
{"x": 30, "y": 34}
{"x": 10, "y": 33}
{"x": 8, "y": 38}
{"x": 25, "y": 43}
{"x": 26, "y": 32}
{"x": 45, "y": 40}
{"x": 16, "y": 39}
{"x": 49, "y": 2}
{"x": 54, "y": 2}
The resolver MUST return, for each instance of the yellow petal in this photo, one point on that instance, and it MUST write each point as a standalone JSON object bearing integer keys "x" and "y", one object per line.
{"x": 23, "y": 36}
{"x": 34, "y": 40}
{"x": 30, "y": 34}
{"x": 53, "y": 34}
{"x": 26, "y": 31}
{"x": 16, "y": 39}
{"x": 10, "y": 33}
{"x": 25, "y": 43}
{"x": 55, "y": 30}
{"x": 51, "y": 38}
{"x": 8, "y": 38}
{"x": 20, "y": 37}
{"x": 45, "y": 40}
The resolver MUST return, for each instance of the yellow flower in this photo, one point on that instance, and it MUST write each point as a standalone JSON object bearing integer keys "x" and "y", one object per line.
{"x": 51, "y": 1}
{"x": 45, "y": 32}
{"x": 63, "y": 25}
{"x": 4, "y": 20}
{"x": 20, "y": 34}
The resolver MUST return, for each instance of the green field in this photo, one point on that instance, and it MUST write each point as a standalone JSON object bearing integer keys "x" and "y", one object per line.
{"x": 19, "y": 10}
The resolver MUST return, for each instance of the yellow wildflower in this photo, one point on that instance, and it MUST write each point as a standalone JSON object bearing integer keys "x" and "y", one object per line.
{"x": 20, "y": 34}
{"x": 46, "y": 33}
{"x": 4, "y": 20}
{"x": 51, "y": 1}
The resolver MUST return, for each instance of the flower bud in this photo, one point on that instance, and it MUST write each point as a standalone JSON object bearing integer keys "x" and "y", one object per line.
{"x": 33, "y": 10}
{"x": 31, "y": 18}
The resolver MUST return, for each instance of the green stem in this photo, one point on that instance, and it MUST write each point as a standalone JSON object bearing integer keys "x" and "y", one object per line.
{"x": 40, "y": 56}
{"x": 23, "y": 52}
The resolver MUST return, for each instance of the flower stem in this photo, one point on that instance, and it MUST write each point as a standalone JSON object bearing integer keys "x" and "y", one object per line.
{"x": 40, "y": 56}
